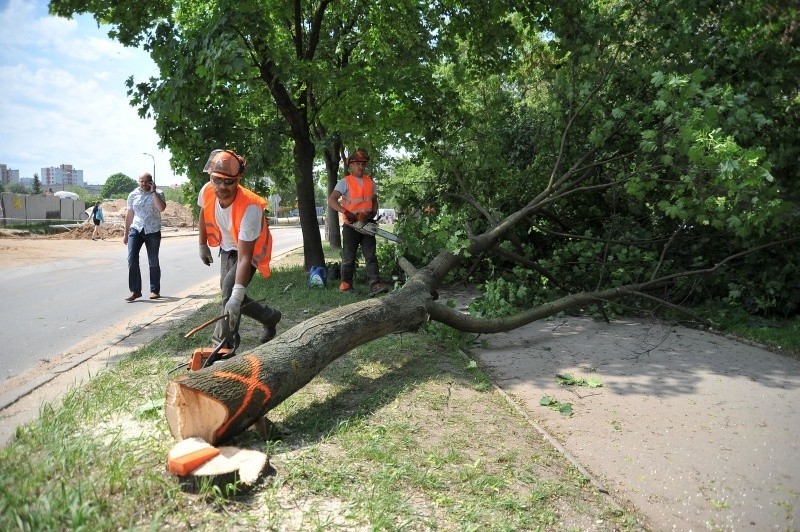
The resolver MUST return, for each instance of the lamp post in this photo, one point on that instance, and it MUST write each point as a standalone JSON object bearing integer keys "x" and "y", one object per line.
{"x": 154, "y": 165}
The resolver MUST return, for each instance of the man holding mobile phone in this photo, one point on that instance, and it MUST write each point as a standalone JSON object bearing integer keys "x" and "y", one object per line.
{"x": 143, "y": 227}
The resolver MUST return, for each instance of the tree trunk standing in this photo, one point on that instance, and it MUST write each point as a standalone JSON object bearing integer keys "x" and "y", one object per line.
{"x": 333, "y": 232}
{"x": 221, "y": 401}
{"x": 309, "y": 223}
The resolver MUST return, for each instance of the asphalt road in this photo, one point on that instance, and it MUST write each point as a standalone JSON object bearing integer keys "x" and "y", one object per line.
{"x": 47, "y": 308}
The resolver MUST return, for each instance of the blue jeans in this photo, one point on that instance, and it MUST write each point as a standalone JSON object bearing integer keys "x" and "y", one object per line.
{"x": 151, "y": 241}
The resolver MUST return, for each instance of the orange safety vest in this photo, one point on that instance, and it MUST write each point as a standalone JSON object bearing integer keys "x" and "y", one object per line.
{"x": 262, "y": 252}
{"x": 359, "y": 197}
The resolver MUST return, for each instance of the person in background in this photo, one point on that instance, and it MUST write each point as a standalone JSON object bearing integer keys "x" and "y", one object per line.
{"x": 97, "y": 219}
{"x": 356, "y": 198}
{"x": 232, "y": 218}
{"x": 143, "y": 227}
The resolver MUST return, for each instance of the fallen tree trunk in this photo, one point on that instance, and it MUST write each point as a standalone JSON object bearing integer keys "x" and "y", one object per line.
{"x": 220, "y": 401}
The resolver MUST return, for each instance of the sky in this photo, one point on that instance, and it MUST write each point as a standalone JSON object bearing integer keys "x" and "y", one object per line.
{"x": 63, "y": 98}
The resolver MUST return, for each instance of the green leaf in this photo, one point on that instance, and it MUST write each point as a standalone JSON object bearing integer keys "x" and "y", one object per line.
{"x": 565, "y": 379}
{"x": 594, "y": 382}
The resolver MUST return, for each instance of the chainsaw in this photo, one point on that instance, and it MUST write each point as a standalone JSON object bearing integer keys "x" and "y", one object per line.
{"x": 370, "y": 227}
{"x": 202, "y": 357}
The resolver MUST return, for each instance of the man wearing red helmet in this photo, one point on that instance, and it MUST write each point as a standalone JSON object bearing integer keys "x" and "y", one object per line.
{"x": 356, "y": 198}
{"x": 232, "y": 218}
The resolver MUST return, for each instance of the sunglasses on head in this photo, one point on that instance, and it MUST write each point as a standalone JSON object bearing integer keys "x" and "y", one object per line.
{"x": 223, "y": 180}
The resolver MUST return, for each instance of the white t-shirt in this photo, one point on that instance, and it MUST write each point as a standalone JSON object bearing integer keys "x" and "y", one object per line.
{"x": 249, "y": 228}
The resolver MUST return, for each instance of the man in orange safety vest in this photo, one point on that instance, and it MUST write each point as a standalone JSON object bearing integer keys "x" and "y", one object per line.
{"x": 232, "y": 218}
{"x": 356, "y": 199}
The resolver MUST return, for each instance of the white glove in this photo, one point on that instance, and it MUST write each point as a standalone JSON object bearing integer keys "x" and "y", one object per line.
{"x": 205, "y": 254}
{"x": 234, "y": 306}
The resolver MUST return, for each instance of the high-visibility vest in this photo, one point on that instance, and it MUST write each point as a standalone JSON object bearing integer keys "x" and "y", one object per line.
{"x": 262, "y": 251}
{"x": 359, "y": 197}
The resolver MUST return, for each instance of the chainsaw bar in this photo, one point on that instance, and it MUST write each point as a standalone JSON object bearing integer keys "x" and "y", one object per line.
{"x": 372, "y": 229}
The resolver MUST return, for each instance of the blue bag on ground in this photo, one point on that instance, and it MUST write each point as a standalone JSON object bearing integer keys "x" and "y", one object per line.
{"x": 317, "y": 276}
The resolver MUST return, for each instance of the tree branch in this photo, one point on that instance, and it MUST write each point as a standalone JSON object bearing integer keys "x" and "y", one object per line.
{"x": 466, "y": 323}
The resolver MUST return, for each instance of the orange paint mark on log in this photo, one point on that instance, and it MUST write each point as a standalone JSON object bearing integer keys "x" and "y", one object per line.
{"x": 251, "y": 383}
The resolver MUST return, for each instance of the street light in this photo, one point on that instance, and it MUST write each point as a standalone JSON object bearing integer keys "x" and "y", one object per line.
{"x": 154, "y": 165}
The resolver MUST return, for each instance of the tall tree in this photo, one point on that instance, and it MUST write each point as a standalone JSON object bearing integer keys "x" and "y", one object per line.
{"x": 118, "y": 185}
{"x": 37, "y": 184}
{"x": 246, "y": 75}
{"x": 628, "y": 153}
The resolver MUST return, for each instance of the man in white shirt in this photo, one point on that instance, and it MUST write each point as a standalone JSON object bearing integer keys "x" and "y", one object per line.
{"x": 232, "y": 218}
{"x": 143, "y": 227}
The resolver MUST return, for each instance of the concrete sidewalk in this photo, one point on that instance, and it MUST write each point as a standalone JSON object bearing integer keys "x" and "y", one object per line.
{"x": 697, "y": 431}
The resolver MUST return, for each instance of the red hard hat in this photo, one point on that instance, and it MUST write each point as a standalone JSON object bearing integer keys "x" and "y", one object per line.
{"x": 225, "y": 163}
{"x": 360, "y": 156}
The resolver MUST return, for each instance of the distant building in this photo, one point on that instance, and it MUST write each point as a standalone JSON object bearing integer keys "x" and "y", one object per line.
{"x": 8, "y": 176}
{"x": 61, "y": 177}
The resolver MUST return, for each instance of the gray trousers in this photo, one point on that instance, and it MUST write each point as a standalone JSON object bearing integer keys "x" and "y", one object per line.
{"x": 263, "y": 314}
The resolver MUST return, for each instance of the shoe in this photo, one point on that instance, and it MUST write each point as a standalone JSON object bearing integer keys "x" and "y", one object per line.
{"x": 154, "y": 295}
{"x": 134, "y": 295}
{"x": 377, "y": 288}
{"x": 345, "y": 287}
{"x": 269, "y": 331}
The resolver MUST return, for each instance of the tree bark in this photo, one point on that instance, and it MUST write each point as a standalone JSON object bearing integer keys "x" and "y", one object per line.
{"x": 309, "y": 222}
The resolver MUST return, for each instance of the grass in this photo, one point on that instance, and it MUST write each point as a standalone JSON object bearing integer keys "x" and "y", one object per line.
{"x": 400, "y": 434}
{"x": 779, "y": 335}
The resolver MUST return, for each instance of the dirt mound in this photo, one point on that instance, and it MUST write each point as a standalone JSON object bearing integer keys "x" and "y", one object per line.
{"x": 113, "y": 226}
{"x": 175, "y": 215}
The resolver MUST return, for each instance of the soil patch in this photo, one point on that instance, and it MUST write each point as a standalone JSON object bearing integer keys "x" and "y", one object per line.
{"x": 20, "y": 248}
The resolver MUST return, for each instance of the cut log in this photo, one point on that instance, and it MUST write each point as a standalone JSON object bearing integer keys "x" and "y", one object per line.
{"x": 211, "y": 466}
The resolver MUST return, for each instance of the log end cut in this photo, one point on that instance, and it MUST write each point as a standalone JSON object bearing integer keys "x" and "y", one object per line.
{"x": 191, "y": 414}
{"x": 199, "y": 465}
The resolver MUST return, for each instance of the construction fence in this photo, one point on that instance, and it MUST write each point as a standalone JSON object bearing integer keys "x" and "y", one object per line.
{"x": 20, "y": 209}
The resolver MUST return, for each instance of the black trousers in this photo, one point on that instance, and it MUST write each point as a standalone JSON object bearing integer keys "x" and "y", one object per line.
{"x": 351, "y": 239}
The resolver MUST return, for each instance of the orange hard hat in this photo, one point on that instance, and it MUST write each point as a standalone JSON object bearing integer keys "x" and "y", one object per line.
{"x": 225, "y": 163}
{"x": 360, "y": 156}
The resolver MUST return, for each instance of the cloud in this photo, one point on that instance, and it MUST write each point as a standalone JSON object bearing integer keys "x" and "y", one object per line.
{"x": 64, "y": 99}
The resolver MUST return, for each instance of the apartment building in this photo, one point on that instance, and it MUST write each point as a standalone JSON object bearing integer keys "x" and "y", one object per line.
{"x": 8, "y": 176}
{"x": 61, "y": 176}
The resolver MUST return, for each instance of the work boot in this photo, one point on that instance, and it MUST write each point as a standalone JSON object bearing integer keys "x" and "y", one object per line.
{"x": 269, "y": 331}
{"x": 345, "y": 287}
{"x": 377, "y": 288}
{"x": 133, "y": 296}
